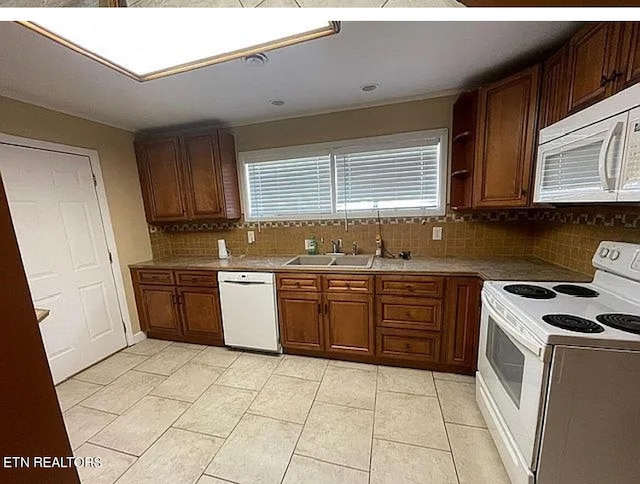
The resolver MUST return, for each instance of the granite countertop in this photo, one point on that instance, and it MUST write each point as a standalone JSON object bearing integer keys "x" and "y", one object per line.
{"x": 503, "y": 268}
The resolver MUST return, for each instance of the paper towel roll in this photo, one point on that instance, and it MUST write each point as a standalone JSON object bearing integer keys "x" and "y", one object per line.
{"x": 223, "y": 253}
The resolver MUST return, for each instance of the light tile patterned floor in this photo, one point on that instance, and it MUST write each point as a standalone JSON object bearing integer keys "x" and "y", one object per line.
{"x": 172, "y": 412}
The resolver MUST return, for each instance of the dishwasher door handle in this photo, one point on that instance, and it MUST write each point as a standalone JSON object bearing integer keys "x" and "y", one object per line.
{"x": 244, "y": 283}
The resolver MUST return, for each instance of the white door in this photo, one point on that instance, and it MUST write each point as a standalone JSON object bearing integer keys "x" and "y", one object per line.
{"x": 55, "y": 212}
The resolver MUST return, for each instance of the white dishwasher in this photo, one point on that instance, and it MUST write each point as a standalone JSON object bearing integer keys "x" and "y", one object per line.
{"x": 249, "y": 310}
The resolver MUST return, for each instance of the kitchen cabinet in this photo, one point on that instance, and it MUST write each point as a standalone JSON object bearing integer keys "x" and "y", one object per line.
{"x": 461, "y": 328}
{"x": 553, "y": 97}
{"x": 629, "y": 59}
{"x": 330, "y": 313}
{"x": 505, "y": 148}
{"x": 464, "y": 133}
{"x": 189, "y": 176}
{"x": 348, "y": 323}
{"x": 591, "y": 64}
{"x": 301, "y": 320}
{"x": 181, "y": 305}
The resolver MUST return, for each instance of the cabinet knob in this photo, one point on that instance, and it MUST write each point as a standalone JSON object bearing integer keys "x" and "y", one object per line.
{"x": 408, "y": 287}
{"x": 604, "y": 80}
{"x": 407, "y": 346}
{"x": 407, "y": 315}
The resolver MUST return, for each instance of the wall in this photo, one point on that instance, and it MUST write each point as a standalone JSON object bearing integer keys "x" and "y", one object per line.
{"x": 119, "y": 170}
{"x": 570, "y": 236}
{"x": 356, "y": 123}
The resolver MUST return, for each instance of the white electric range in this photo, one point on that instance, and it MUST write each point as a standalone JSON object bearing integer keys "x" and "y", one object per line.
{"x": 558, "y": 378}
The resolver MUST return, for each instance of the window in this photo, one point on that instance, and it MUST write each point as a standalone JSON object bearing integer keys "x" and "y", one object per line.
{"x": 395, "y": 175}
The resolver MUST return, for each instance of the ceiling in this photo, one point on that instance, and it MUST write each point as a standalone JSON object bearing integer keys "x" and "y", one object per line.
{"x": 408, "y": 60}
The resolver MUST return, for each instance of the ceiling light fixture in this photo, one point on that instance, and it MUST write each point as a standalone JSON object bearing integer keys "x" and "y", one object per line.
{"x": 149, "y": 50}
{"x": 369, "y": 87}
{"x": 277, "y": 102}
{"x": 256, "y": 60}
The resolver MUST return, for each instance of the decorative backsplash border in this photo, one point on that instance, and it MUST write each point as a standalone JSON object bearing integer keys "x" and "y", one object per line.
{"x": 505, "y": 216}
{"x": 604, "y": 218}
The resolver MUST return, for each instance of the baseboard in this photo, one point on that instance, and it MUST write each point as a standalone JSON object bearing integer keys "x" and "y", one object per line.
{"x": 139, "y": 336}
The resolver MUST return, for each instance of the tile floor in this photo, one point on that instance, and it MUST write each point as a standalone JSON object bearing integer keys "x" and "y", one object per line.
{"x": 242, "y": 3}
{"x": 180, "y": 413}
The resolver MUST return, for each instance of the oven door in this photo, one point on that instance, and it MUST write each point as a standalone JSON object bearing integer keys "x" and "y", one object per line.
{"x": 513, "y": 367}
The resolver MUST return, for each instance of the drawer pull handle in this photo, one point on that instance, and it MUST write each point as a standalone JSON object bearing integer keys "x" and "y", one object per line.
{"x": 409, "y": 287}
{"x": 407, "y": 315}
{"x": 407, "y": 346}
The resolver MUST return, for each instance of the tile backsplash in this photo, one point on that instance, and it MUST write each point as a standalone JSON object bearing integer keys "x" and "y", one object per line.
{"x": 566, "y": 236}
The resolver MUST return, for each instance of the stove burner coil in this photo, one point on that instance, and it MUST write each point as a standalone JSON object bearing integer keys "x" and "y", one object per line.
{"x": 530, "y": 291}
{"x": 575, "y": 290}
{"x": 572, "y": 323}
{"x": 623, "y": 322}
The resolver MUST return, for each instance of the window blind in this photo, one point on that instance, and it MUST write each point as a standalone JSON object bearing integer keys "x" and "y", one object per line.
{"x": 388, "y": 178}
{"x": 289, "y": 187}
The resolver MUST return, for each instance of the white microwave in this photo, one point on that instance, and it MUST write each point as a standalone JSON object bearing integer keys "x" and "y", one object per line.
{"x": 592, "y": 156}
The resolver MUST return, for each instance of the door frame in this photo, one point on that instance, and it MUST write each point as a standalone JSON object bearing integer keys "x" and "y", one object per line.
{"x": 105, "y": 216}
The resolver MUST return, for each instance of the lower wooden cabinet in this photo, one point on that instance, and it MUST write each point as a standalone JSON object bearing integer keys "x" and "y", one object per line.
{"x": 348, "y": 323}
{"x": 157, "y": 307}
{"x": 462, "y": 321}
{"x": 419, "y": 346}
{"x": 184, "y": 312}
{"x": 300, "y": 320}
{"x": 416, "y": 321}
{"x": 200, "y": 314}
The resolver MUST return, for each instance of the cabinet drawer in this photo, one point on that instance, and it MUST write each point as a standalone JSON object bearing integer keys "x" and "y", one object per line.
{"x": 409, "y": 312}
{"x": 298, "y": 282}
{"x": 408, "y": 344}
{"x": 410, "y": 285}
{"x": 155, "y": 277}
{"x": 196, "y": 278}
{"x": 348, "y": 283}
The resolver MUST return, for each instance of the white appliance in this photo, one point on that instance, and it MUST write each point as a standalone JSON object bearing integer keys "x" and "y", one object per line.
{"x": 249, "y": 310}
{"x": 558, "y": 378}
{"x": 593, "y": 155}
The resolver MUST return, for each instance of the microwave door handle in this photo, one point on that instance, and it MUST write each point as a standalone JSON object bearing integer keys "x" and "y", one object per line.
{"x": 533, "y": 346}
{"x": 602, "y": 159}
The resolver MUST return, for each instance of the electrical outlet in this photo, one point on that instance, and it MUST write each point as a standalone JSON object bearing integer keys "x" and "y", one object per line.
{"x": 437, "y": 233}
{"x": 251, "y": 236}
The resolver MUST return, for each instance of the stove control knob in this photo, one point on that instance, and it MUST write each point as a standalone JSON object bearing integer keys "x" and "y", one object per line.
{"x": 604, "y": 252}
{"x": 614, "y": 255}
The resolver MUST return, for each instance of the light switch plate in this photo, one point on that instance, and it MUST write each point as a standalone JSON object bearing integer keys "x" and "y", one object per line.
{"x": 251, "y": 236}
{"x": 437, "y": 233}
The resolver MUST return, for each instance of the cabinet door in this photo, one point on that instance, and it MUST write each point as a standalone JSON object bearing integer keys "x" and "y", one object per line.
{"x": 629, "y": 64}
{"x": 553, "y": 102}
{"x": 506, "y": 141}
{"x": 591, "y": 60}
{"x": 203, "y": 180}
{"x": 300, "y": 320}
{"x": 348, "y": 323}
{"x": 200, "y": 311}
{"x": 461, "y": 322}
{"x": 158, "y": 309}
{"x": 161, "y": 179}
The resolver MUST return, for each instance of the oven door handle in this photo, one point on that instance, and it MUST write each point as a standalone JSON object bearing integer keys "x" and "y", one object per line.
{"x": 533, "y": 346}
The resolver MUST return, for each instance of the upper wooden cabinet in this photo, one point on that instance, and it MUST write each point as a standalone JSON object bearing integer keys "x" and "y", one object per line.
{"x": 629, "y": 59}
{"x": 553, "y": 97}
{"x": 189, "y": 176}
{"x": 591, "y": 62}
{"x": 506, "y": 137}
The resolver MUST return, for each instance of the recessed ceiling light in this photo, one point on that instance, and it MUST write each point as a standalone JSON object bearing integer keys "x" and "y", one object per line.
{"x": 158, "y": 48}
{"x": 369, "y": 87}
{"x": 277, "y": 102}
{"x": 255, "y": 59}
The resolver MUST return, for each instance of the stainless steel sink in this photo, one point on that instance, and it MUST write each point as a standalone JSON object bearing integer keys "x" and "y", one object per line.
{"x": 338, "y": 261}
